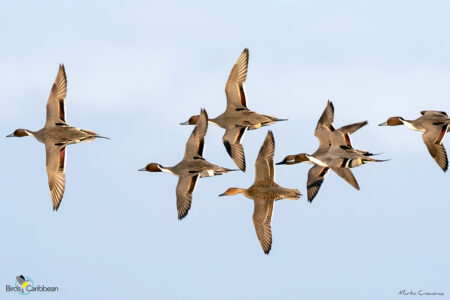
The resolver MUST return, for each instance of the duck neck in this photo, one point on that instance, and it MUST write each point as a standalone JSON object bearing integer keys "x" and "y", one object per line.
{"x": 410, "y": 124}
{"x": 217, "y": 121}
{"x": 169, "y": 170}
{"x": 235, "y": 191}
{"x": 241, "y": 191}
{"x": 316, "y": 161}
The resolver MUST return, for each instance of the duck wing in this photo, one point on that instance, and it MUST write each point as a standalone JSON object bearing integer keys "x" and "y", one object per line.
{"x": 316, "y": 176}
{"x": 325, "y": 126}
{"x": 232, "y": 140}
{"x": 327, "y": 117}
{"x": 185, "y": 188}
{"x": 264, "y": 166}
{"x": 262, "y": 219}
{"x": 342, "y": 135}
{"x": 433, "y": 140}
{"x": 352, "y": 128}
{"x": 434, "y": 113}
{"x": 56, "y": 171}
{"x": 196, "y": 142}
{"x": 235, "y": 87}
{"x": 347, "y": 175}
{"x": 56, "y": 104}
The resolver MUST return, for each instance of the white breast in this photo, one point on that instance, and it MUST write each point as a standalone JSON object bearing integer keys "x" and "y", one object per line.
{"x": 167, "y": 171}
{"x": 317, "y": 161}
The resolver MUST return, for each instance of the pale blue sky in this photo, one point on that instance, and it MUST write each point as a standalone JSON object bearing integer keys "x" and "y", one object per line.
{"x": 137, "y": 69}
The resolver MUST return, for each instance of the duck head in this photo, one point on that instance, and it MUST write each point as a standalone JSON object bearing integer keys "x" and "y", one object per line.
{"x": 294, "y": 159}
{"x": 20, "y": 133}
{"x": 192, "y": 120}
{"x": 153, "y": 167}
{"x": 232, "y": 191}
{"x": 392, "y": 121}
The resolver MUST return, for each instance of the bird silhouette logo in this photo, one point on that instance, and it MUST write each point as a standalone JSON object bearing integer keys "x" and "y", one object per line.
{"x": 23, "y": 282}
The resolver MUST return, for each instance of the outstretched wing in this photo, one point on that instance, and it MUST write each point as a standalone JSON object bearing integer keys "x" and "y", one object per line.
{"x": 56, "y": 171}
{"x": 434, "y": 113}
{"x": 316, "y": 176}
{"x": 56, "y": 104}
{"x": 235, "y": 87}
{"x": 350, "y": 129}
{"x": 185, "y": 188}
{"x": 196, "y": 142}
{"x": 433, "y": 140}
{"x": 347, "y": 175}
{"x": 262, "y": 218}
{"x": 327, "y": 117}
{"x": 232, "y": 140}
{"x": 264, "y": 166}
{"x": 325, "y": 126}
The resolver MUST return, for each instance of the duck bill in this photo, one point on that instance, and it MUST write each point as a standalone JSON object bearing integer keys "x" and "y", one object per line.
{"x": 185, "y": 123}
{"x": 281, "y": 163}
{"x": 224, "y": 194}
{"x": 102, "y": 137}
{"x": 10, "y": 135}
{"x": 143, "y": 169}
{"x": 383, "y": 124}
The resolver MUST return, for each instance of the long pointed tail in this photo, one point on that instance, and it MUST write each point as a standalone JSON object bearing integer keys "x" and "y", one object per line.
{"x": 102, "y": 137}
{"x": 291, "y": 194}
{"x": 356, "y": 162}
{"x": 225, "y": 170}
{"x": 269, "y": 121}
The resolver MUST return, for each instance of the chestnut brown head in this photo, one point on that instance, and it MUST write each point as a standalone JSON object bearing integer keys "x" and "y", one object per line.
{"x": 294, "y": 159}
{"x": 153, "y": 167}
{"x": 392, "y": 121}
{"x": 192, "y": 120}
{"x": 19, "y": 133}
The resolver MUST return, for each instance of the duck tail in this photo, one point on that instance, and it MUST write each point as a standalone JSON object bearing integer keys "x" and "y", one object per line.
{"x": 269, "y": 120}
{"x": 221, "y": 171}
{"x": 367, "y": 153}
{"x": 356, "y": 162}
{"x": 101, "y": 137}
{"x": 292, "y": 194}
{"x": 279, "y": 120}
{"x": 231, "y": 170}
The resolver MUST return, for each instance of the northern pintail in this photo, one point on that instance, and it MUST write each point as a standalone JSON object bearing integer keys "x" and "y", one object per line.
{"x": 237, "y": 118}
{"x": 328, "y": 136}
{"x": 56, "y": 135}
{"x": 264, "y": 192}
{"x": 191, "y": 168}
{"x": 434, "y": 125}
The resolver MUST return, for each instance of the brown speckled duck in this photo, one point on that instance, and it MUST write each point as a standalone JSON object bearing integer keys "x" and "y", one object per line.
{"x": 264, "y": 192}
